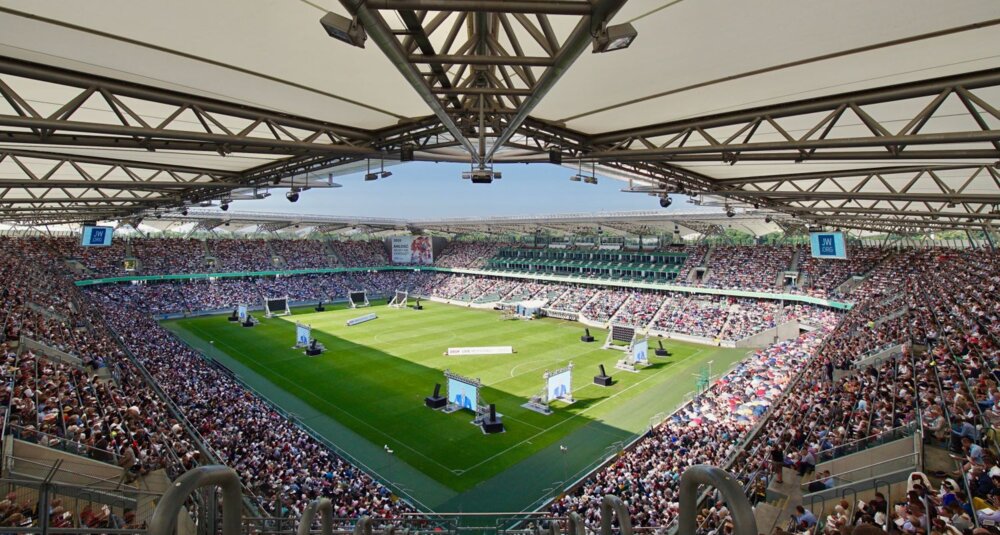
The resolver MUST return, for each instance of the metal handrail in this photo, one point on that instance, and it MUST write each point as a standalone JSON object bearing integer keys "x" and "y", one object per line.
{"x": 164, "y": 520}
{"x": 840, "y": 475}
{"x": 18, "y": 432}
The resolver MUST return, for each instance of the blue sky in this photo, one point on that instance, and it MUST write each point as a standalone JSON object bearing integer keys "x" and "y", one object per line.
{"x": 436, "y": 190}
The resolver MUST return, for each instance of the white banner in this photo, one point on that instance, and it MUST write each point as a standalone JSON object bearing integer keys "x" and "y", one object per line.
{"x": 486, "y": 350}
{"x": 361, "y": 319}
{"x": 302, "y": 334}
{"x": 560, "y": 385}
{"x": 640, "y": 351}
{"x": 412, "y": 250}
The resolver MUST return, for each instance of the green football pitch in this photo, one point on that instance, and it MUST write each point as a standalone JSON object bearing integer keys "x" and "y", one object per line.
{"x": 365, "y": 396}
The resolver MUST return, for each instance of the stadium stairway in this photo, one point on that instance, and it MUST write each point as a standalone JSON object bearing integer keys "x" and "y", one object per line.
{"x": 782, "y": 499}
{"x": 331, "y": 254}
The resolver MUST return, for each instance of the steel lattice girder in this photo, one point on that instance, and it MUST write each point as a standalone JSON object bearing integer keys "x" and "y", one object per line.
{"x": 692, "y": 140}
{"x": 215, "y": 128}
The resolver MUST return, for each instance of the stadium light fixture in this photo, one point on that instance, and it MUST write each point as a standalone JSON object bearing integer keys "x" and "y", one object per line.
{"x": 344, "y": 29}
{"x": 383, "y": 173}
{"x": 615, "y": 37}
{"x": 665, "y": 201}
{"x": 293, "y": 195}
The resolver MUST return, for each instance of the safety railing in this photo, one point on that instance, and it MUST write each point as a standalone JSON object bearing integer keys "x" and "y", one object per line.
{"x": 56, "y": 442}
{"x": 74, "y": 508}
{"x": 614, "y": 518}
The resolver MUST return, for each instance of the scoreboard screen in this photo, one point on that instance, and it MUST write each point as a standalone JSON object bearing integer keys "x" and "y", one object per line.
{"x": 828, "y": 245}
{"x": 94, "y": 236}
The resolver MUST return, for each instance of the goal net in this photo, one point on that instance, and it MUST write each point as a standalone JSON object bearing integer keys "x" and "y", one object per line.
{"x": 276, "y": 306}
{"x": 358, "y": 298}
{"x": 400, "y": 299}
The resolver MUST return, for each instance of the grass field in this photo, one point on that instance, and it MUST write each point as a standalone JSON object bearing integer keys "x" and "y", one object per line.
{"x": 367, "y": 391}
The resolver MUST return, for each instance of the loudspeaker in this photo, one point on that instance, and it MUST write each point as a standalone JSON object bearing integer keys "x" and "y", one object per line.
{"x": 493, "y": 412}
{"x": 603, "y": 379}
{"x": 437, "y": 389}
{"x": 555, "y": 156}
{"x": 320, "y": 307}
{"x": 586, "y": 336}
{"x": 660, "y": 351}
{"x": 406, "y": 153}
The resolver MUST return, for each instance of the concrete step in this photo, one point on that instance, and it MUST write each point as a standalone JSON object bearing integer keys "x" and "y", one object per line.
{"x": 767, "y": 516}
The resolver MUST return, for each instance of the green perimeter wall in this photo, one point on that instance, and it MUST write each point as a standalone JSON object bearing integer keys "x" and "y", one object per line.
{"x": 531, "y": 276}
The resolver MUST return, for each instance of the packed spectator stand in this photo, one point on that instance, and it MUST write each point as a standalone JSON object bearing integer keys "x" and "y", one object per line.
{"x": 942, "y": 306}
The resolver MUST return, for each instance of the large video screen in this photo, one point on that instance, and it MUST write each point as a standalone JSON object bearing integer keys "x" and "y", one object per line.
{"x": 828, "y": 245}
{"x": 462, "y": 394}
{"x": 412, "y": 250}
{"x": 96, "y": 236}
{"x": 559, "y": 385}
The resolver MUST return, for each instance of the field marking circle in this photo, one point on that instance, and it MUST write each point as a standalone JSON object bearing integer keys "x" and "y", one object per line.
{"x": 523, "y": 363}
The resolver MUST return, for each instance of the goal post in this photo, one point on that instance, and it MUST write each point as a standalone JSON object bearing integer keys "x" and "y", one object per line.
{"x": 400, "y": 299}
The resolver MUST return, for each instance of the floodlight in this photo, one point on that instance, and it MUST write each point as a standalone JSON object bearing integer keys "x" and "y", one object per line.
{"x": 344, "y": 29}
{"x": 665, "y": 201}
{"x": 371, "y": 176}
{"x": 576, "y": 178}
{"x": 590, "y": 180}
{"x": 385, "y": 174}
{"x": 616, "y": 37}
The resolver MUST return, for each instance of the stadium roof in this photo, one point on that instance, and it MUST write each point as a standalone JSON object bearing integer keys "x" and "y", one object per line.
{"x": 877, "y": 115}
{"x": 630, "y": 223}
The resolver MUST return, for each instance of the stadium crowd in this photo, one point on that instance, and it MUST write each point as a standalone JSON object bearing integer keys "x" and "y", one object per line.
{"x": 302, "y": 254}
{"x": 470, "y": 255}
{"x": 940, "y": 307}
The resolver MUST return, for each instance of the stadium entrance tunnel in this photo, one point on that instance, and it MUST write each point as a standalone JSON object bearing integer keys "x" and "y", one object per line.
{"x": 615, "y": 516}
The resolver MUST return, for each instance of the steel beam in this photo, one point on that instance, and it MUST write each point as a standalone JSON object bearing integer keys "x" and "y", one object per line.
{"x": 55, "y": 75}
{"x": 848, "y": 173}
{"x": 387, "y": 42}
{"x": 135, "y": 185}
{"x": 142, "y": 133}
{"x": 481, "y": 91}
{"x": 552, "y": 7}
{"x": 572, "y": 48}
{"x": 958, "y": 198}
{"x": 114, "y": 162}
{"x": 804, "y": 145}
{"x": 803, "y": 107}
{"x": 530, "y": 61}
